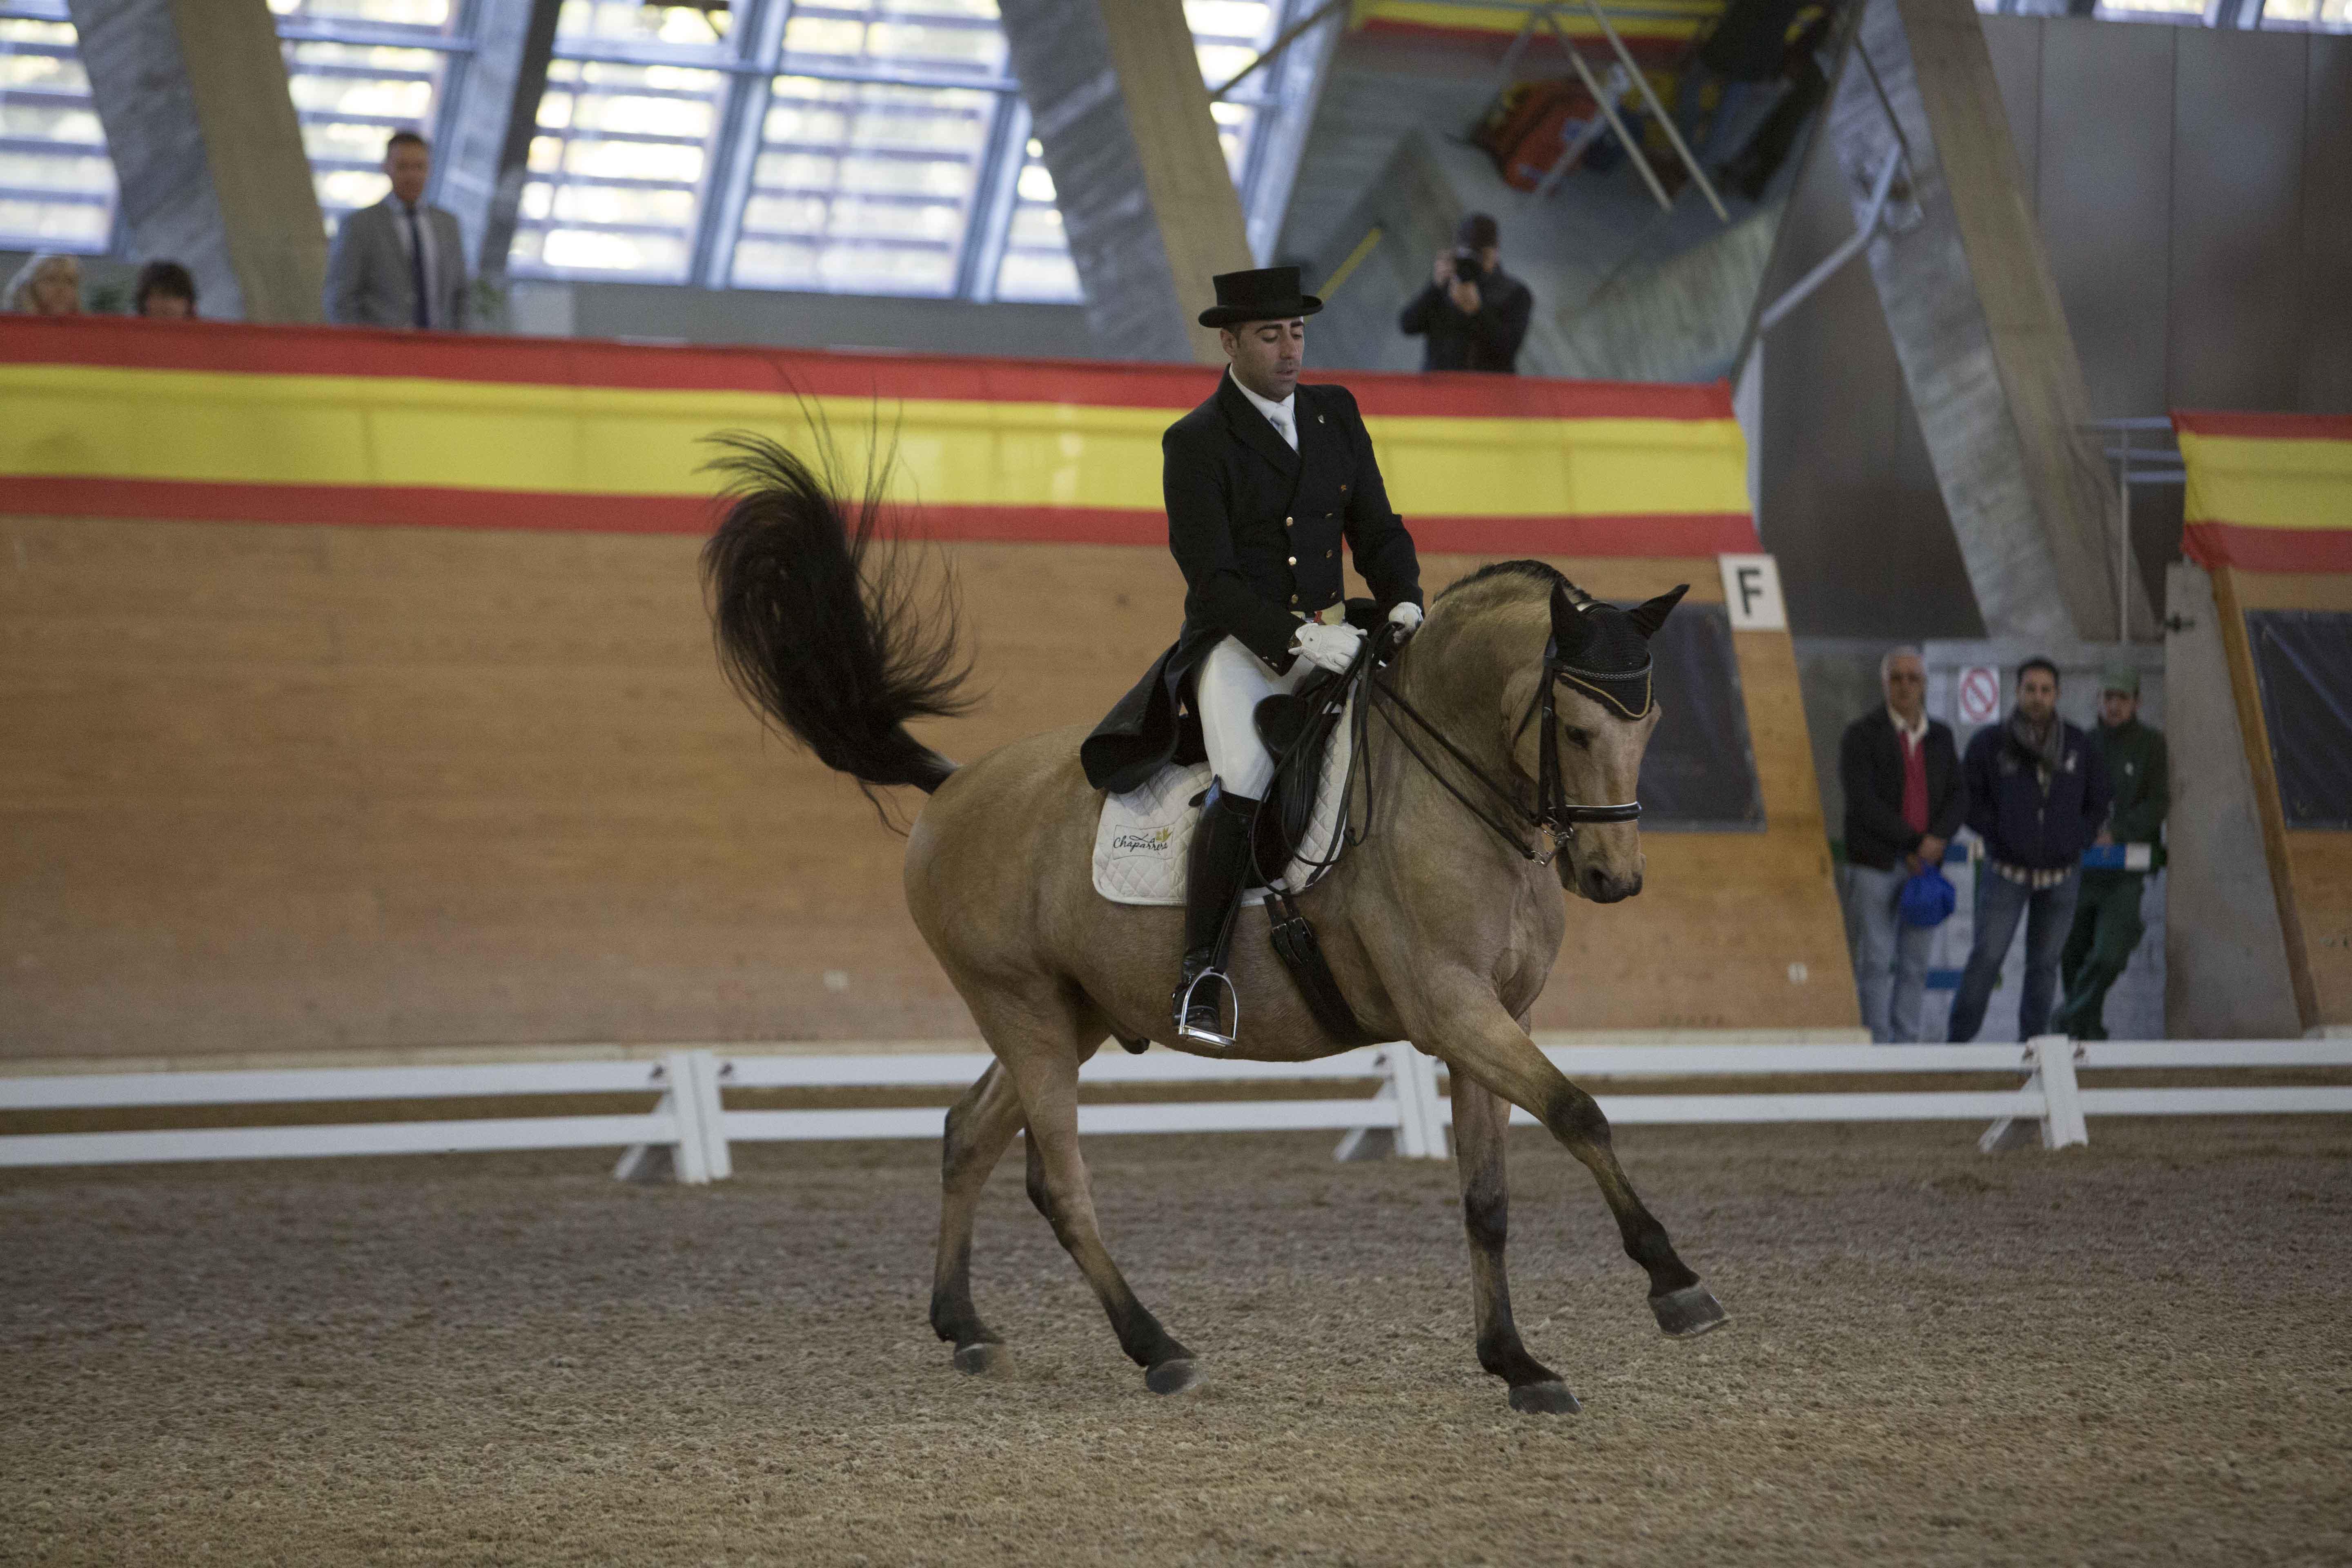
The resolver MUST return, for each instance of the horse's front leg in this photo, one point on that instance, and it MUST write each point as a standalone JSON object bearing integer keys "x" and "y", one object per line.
{"x": 1482, "y": 1122}
{"x": 1477, "y": 1038}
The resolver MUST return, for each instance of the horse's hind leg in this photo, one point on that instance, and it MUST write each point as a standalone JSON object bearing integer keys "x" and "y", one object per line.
{"x": 1037, "y": 1043}
{"x": 1481, "y": 1120}
{"x": 979, "y": 1127}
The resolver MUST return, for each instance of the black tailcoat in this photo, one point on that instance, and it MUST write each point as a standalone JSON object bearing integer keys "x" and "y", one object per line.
{"x": 1256, "y": 528}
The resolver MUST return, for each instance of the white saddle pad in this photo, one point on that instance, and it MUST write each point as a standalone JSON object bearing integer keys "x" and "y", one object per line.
{"x": 1144, "y": 837}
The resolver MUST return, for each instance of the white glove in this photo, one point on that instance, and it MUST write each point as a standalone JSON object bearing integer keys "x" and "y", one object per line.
{"x": 1328, "y": 648}
{"x": 1405, "y": 615}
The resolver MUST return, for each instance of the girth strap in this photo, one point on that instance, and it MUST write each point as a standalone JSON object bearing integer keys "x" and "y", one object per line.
{"x": 1302, "y": 954}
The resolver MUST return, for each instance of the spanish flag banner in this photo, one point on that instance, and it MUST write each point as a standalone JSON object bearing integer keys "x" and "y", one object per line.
{"x": 289, "y": 425}
{"x": 2268, "y": 492}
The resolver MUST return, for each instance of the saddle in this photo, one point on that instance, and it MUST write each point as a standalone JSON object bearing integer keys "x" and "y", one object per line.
{"x": 1143, "y": 836}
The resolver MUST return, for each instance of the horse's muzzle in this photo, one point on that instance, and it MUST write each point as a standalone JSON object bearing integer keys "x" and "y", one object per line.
{"x": 1605, "y": 888}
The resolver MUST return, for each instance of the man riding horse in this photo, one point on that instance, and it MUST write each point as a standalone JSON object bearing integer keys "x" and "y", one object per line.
{"x": 1501, "y": 777}
{"x": 1262, "y": 482}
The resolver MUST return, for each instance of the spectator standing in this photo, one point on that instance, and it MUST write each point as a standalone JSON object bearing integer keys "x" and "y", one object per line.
{"x": 400, "y": 263}
{"x": 1744, "y": 57}
{"x": 1474, "y": 314}
{"x": 165, "y": 291}
{"x": 2037, "y": 794}
{"x": 49, "y": 284}
{"x": 1903, "y": 801}
{"x": 2107, "y": 918}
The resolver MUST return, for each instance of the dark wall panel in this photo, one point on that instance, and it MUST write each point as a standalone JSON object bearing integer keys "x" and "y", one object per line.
{"x": 2326, "y": 338}
{"x": 1849, "y": 500}
{"x": 2106, "y": 204}
{"x": 2237, "y": 194}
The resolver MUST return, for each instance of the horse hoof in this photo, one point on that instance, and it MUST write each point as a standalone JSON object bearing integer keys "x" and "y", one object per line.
{"x": 1173, "y": 1376}
{"x": 1689, "y": 1312}
{"x": 1545, "y": 1399}
{"x": 984, "y": 1358}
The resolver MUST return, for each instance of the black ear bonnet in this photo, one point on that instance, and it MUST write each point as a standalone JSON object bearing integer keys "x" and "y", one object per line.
{"x": 1604, "y": 651}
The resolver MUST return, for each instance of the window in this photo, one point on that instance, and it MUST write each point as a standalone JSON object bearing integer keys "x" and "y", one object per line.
{"x": 2327, "y": 15}
{"x": 2189, "y": 12}
{"x": 1227, "y": 34}
{"x": 1036, "y": 263}
{"x": 359, "y": 70}
{"x": 626, "y": 134}
{"x": 57, "y": 184}
{"x": 863, "y": 184}
{"x": 846, "y": 146}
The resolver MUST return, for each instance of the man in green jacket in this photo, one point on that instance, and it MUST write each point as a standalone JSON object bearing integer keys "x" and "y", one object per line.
{"x": 2107, "y": 917}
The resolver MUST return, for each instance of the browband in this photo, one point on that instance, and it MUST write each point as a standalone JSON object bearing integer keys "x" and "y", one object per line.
{"x": 1627, "y": 691}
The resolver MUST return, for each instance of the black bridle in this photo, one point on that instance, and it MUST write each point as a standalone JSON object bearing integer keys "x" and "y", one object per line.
{"x": 1554, "y": 818}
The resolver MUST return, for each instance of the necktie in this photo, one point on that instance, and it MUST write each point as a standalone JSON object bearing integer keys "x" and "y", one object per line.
{"x": 417, "y": 264}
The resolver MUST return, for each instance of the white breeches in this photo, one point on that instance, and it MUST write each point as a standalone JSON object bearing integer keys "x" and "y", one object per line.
{"x": 1232, "y": 683}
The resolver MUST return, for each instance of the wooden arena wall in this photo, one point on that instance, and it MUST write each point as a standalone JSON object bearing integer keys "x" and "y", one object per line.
{"x": 359, "y": 694}
{"x": 2269, "y": 514}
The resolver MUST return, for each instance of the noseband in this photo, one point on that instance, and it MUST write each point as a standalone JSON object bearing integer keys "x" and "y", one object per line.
{"x": 1555, "y": 818}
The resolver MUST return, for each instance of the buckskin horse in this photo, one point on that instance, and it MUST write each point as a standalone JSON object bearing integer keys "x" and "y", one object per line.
{"x": 1441, "y": 926}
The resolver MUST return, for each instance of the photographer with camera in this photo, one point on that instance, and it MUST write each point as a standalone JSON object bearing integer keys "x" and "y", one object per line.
{"x": 1472, "y": 312}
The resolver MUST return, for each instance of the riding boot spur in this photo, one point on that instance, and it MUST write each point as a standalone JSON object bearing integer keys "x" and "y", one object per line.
{"x": 1215, "y": 875}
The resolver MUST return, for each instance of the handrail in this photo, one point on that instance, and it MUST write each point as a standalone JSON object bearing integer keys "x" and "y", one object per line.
{"x": 1863, "y": 233}
{"x": 1273, "y": 50}
{"x": 2127, "y": 474}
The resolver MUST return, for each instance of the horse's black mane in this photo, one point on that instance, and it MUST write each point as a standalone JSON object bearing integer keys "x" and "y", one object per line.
{"x": 1614, "y": 645}
{"x": 1533, "y": 570}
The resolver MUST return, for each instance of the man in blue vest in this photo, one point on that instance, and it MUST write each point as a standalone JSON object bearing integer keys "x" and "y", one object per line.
{"x": 2037, "y": 796}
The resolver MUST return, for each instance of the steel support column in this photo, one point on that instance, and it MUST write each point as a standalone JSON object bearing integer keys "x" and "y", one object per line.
{"x": 1974, "y": 313}
{"x": 1119, "y": 107}
{"x": 483, "y": 154}
{"x": 207, "y": 152}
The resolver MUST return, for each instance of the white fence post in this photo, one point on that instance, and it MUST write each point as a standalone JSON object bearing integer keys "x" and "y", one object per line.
{"x": 700, "y": 1155}
{"x": 2063, "y": 1127}
{"x": 1420, "y": 1124}
{"x": 708, "y": 1073}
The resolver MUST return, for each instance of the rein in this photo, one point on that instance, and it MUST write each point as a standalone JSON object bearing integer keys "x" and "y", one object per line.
{"x": 1555, "y": 818}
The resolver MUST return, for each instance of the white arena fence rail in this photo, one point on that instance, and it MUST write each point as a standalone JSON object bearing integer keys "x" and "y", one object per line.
{"x": 690, "y": 1131}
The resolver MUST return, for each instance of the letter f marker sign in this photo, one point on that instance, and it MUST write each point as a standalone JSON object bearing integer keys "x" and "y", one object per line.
{"x": 1752, "y": 592}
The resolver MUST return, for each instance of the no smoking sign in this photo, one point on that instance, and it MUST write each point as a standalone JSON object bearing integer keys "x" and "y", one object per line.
{"x": 1980, "y": 694}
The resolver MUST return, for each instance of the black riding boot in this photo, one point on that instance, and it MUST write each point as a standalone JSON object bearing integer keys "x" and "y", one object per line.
{"x": 1215, "y": 874}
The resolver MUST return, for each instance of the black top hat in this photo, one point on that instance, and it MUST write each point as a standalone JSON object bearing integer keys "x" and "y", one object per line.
{"x": 1268, "y": 294}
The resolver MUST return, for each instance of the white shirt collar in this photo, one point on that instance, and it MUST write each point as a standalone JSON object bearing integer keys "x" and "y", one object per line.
{"x": 1278, "y": 415}
{"x": 1915, "y": 734}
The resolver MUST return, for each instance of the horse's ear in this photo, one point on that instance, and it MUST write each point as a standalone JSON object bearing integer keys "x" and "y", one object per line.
{"x": 1569, "y": 630}
{"x": 1651, "y": 613}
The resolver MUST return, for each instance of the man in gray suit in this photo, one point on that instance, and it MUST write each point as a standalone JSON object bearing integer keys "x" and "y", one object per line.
{"x": 400, "y": 263}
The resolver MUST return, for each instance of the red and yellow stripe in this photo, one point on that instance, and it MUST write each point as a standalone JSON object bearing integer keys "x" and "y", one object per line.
{"x": 2268, "y": 492}
{"x": 114, "y": 417}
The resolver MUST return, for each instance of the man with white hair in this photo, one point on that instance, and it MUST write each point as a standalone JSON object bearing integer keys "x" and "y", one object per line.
{"x": 48, "y": 285}
{"x": 1903, "y": 801}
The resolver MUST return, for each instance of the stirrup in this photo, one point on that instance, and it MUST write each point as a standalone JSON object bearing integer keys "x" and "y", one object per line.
{"x": 1184, "y": 1027}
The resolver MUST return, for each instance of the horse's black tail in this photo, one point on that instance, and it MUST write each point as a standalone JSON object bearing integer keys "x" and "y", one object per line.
{"x": 822, "y": 624}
